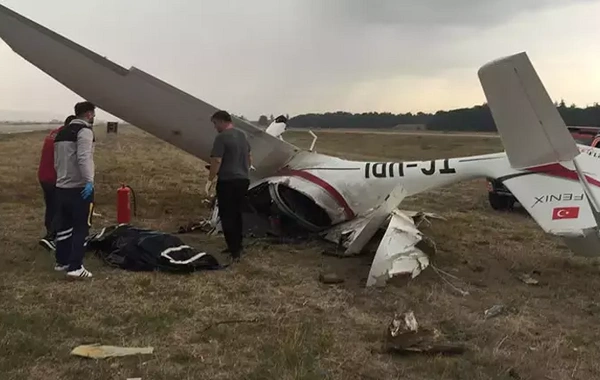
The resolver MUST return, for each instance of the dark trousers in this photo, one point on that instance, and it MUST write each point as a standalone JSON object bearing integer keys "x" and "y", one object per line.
{"x": 231, "y": 195}
{"x": 75, "y": 218}
{"x": 50, "y": 221}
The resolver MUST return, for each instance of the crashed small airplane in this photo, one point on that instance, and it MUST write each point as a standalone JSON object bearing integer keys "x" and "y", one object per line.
{"x": 348, "y": 201}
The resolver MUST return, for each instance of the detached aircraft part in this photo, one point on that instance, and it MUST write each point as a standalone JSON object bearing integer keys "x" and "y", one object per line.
{"x": 397, "y": 253}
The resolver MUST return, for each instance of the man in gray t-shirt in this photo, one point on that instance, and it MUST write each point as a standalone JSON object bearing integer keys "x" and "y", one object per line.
{"x": 230, "y": 162}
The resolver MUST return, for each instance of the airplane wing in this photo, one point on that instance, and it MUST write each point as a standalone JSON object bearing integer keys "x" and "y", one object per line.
{"x": 133, "y": 95}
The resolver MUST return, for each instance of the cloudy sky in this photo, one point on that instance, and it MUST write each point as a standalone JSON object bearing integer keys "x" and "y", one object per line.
{"x": 298, "y": 56}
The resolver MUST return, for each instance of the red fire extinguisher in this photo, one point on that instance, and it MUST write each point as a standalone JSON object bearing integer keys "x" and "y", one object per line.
{"x": 123, "y": 204}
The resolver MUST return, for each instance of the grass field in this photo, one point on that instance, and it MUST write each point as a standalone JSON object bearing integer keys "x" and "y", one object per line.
{"x": 295, "y": 327}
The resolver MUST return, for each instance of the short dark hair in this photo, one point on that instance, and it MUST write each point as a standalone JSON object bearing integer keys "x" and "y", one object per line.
{"x": 222, "y": 116}
{"x": 281, "y": 119}
{"x": 69, "y": 119}
{"x": 83, "y": 107}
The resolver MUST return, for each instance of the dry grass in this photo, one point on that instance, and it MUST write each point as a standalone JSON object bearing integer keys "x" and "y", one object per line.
{"x": 303, "y": 329}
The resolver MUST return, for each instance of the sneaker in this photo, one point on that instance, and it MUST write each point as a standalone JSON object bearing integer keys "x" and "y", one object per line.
{"x": 80, "y": 273}
{"x": 48, "y": 244}
{"x": 61, "y": 268}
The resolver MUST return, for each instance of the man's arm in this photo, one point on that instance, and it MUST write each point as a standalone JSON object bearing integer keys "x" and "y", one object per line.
{"x": 215, "y": 164}
{"x": 85, "y": 158}
{"x": 215, "y": 157}
{"x": 249, "y": 155}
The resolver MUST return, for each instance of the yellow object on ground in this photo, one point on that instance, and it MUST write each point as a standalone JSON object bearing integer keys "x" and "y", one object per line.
{"x": 101, "y": 352}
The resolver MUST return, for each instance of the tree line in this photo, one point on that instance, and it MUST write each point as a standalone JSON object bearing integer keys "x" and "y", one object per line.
{"x": 477, "y": 118}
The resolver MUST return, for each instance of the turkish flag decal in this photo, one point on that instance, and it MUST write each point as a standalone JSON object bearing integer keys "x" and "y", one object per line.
{"x": 565, "y": 213}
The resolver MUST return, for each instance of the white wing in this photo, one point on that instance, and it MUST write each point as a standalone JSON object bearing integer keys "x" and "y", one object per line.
{"x": 133, "y": 95}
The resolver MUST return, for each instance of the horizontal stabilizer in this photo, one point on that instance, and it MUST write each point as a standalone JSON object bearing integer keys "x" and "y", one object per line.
{"x": 531, "y": 128}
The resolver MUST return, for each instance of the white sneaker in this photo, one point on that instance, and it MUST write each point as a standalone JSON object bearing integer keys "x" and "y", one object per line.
{"x": 61, "y": 268}
{"x": 80, "y": 273}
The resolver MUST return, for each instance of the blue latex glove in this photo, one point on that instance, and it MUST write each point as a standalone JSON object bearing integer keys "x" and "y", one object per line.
{"x": 87, "y": 190}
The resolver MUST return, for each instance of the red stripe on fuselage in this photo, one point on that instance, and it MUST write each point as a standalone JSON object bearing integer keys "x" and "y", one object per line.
{"x": 557, "y": 170}
{"x": 325, "y": 186}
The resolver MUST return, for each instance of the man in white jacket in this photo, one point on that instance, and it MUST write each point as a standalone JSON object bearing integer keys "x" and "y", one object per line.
{"x": 74, "y": 165}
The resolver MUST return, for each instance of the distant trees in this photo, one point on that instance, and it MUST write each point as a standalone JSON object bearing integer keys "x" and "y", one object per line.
{"x": 477, "y": 118}
{"x": 359, "y": 120}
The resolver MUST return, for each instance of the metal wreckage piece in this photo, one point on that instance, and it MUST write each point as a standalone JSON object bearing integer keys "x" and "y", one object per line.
{"x": 401, "y": 250}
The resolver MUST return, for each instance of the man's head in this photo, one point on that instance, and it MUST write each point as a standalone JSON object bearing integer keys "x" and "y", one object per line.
{"x": 221, "y": 120}
{"x": 69, "y": 119}
{"x": 85, "y": 111}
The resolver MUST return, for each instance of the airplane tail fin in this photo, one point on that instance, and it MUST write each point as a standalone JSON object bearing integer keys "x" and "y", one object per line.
{"x": 556, "y": 184}
{"x": 531, "y": 129}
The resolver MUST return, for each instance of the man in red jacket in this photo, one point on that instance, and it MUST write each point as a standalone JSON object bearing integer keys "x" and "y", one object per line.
{"x": 47, "y": 178}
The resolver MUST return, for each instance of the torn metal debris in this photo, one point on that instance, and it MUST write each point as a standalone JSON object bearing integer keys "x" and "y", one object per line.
{"x": 404, "y": 335}
{"x": 527, "y": 279}
{"x": 494, "y": 311}
{"x": 399, "y": 251}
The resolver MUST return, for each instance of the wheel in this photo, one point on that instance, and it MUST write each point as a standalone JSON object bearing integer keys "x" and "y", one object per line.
{"x": 500, "y": 202}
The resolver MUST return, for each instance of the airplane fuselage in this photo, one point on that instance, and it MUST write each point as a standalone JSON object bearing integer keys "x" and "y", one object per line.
{"x": 346, "y": 189}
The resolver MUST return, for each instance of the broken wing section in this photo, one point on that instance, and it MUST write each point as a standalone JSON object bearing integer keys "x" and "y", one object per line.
{"x": 355, "y": 234}
{"x": 133, "y": 95}
{"x": 397, "y": 253}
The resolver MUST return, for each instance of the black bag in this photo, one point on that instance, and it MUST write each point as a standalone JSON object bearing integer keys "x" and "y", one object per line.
{"x": 138, "y": 249}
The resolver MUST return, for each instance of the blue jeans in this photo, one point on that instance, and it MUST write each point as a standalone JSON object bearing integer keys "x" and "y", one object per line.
{"x": 75, "y": 220}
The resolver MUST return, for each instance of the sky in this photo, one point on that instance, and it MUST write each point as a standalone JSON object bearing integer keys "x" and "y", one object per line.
{"x": 300, "y": 56}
